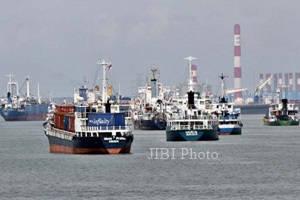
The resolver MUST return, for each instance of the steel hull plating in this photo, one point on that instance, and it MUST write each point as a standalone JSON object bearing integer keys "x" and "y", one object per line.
{"x": 281, "y": 123}
{"x": 29, "y": 113}
{"x": 253, "y": 109}
{"x": 149, "y": 125}
{"x": 230, "y": 129}
{"x": 192, "y": 135}
{"x": 89, "y": 145}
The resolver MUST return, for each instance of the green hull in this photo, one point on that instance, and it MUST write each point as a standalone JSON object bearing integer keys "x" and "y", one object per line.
{"x": 281, "y": 123}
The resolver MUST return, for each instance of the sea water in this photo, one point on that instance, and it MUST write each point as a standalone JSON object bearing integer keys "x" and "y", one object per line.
{"x": 262, "y": 163}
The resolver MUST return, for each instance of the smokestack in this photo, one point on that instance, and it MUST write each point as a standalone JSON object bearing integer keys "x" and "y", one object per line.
{"x": 194, "y": 74}
{"x": 280, "y": 80}
{"x": 237, "y": 61}
{"x": 275, "y": 82}
{"x": 297, "y": 81}
{"x": 290, "y": 82}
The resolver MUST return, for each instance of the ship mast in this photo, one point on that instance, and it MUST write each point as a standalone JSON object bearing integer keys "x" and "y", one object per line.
{"x": 191, "y": 85}
{"x": 104, "y": 86}
{"x": 39, "y": 96}
{"x": 27, "y": 87}
{"x": 153, "y": 82}
{"x": 10, "y": 84}
{"x": 223, "y": 85}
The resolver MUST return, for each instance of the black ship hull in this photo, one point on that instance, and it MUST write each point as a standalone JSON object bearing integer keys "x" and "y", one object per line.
{"x": 149, "y": 125}
{"x": 64, "y": 143}
{"x": 253, "y": 109}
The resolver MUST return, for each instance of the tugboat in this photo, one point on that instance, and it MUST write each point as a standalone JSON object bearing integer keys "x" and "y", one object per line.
{"x": 89, "y": 126}
{"x": 228, "y": 116}
{"x": 191, "y": 124}
{"x": 19, "y": 108}
{"x": 281, "y": 113}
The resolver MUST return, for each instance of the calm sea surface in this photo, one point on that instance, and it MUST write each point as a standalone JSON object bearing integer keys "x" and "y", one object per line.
{"x": 262, "y": 163}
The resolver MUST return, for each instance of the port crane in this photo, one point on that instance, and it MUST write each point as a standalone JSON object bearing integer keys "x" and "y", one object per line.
{"x": 259, "y": 87}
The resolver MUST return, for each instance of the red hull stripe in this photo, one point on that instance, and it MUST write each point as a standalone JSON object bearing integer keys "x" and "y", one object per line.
{"x": 71, "y": 150}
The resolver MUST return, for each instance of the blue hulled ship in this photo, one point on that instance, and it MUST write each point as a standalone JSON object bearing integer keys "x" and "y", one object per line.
{"x": 17, "y": 108}
{"x": 228, "y": 116}
{"x": 191, "y": 124}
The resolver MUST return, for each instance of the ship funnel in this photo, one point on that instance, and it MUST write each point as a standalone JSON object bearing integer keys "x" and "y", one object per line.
{"x": 284, "y": 106}
{"x": 9, "y": 97}
{"x": 191, "y": 100}
{"x": 107, "y": 107}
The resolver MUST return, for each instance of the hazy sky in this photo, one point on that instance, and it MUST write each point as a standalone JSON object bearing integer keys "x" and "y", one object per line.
{"x": 58, "y": 42}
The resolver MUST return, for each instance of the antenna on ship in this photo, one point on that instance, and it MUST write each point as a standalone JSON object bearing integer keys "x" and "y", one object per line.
{"x": 190, "y": 59}
{"x": 104, "y": 86}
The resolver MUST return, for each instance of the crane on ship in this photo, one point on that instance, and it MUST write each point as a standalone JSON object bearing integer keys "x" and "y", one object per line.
{"x": 259, "y": 87}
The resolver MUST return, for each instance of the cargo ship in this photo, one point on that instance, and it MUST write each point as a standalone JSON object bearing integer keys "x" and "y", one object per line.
{"x": 149, "y": 114}
{"x": 282, "y": 113}
{"x": 191, "y": 124}
{"x": 28, "y": 108}
{"x": 150, "y": 120}
{"x": 89, "y": 126}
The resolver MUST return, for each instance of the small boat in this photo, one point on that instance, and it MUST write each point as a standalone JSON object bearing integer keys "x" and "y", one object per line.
{"x": 89, "y": 126}
{"x": 228, "y": 116}
{"x": 191, "y": 123}
{"x": 281, "y": 113}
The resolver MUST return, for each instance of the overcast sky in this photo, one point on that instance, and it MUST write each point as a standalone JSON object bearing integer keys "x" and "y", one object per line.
{"x": 58, "y": 42}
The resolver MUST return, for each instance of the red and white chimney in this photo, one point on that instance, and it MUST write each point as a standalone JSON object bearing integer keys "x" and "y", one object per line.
{"x": 237, "y": 61}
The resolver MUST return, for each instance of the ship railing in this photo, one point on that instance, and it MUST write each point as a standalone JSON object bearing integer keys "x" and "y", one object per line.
{"x": 61, "y": 134}
{"x": 102, "y": 128}
{"x": 195, "y": 127}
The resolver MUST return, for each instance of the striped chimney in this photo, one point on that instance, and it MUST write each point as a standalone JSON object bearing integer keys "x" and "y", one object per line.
{"x": 274, "y": 82}
{"x": 280, "y": 81}
{"x": 237, "y": 61}
{"x": 261, "y": 80}
{"x": 297, "y": 81}
{"x": 286, "y": 80}
{"x": 290, "y": 82}
{"x": 194, "y": 74}
{"x": 268, "y": 86}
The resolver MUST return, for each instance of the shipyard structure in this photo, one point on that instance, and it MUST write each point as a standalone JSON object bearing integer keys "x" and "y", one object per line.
{"x": 289, "y": 83}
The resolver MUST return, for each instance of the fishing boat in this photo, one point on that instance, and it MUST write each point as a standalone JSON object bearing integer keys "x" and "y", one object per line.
{"x": 228, "y": 117}
{"x": 191, "y": 124}
{"x": 90, "y": 125}
{"x": 22, "y": 108}
{"x": 282, "y": 113}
